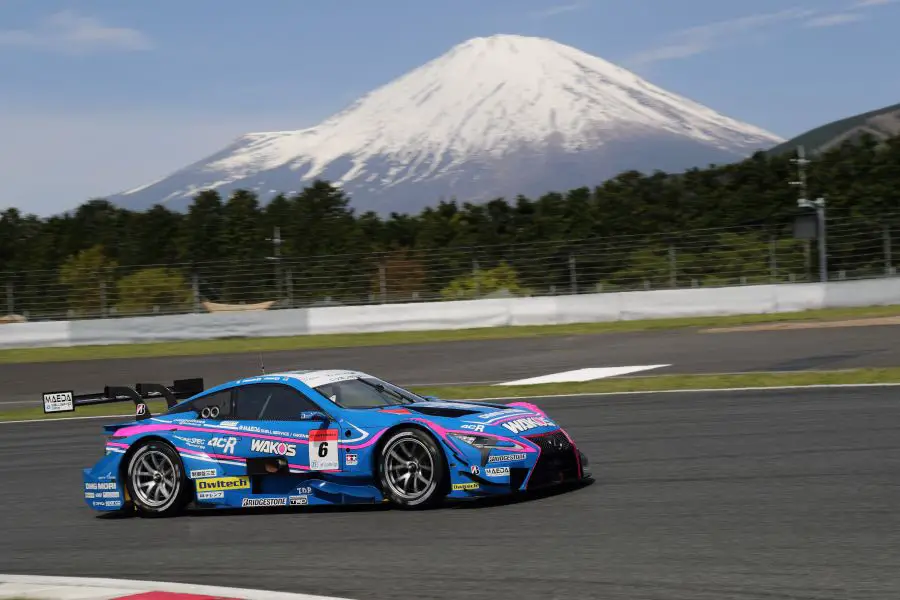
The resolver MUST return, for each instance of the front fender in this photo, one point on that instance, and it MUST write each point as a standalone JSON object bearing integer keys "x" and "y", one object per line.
{"x": 471, "y": 470}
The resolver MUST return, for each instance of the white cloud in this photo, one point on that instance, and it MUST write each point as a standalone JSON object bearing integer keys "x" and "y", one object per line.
{"x": 703, "y": 38}
{"x": 835, "y": 20}
{"x": 69, "y": 32}
{"x": 553, "y": 11}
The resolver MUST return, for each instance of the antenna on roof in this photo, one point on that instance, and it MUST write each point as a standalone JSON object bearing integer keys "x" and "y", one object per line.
{"x": 262, "y": 365}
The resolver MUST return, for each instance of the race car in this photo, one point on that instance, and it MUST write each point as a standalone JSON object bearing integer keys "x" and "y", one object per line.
{"x": 316, "y": 437}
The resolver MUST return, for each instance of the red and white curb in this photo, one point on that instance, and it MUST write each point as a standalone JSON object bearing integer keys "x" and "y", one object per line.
{"x": 83, "y": 588}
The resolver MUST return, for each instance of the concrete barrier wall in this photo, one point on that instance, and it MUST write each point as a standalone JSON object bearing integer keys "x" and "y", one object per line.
{"x": 624, "y": 306}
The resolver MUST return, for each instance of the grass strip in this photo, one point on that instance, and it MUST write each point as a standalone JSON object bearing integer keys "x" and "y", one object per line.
{"x": 624, "y": 384}
{"x": 311, "y": 342}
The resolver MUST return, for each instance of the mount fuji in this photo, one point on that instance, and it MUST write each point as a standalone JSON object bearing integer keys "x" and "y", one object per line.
{"x": 493, "y": 117}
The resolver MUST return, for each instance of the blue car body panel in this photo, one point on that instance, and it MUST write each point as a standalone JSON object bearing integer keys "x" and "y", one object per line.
{"x": 331, "y": 457}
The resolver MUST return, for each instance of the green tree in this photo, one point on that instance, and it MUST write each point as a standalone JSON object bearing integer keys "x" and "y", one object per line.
{"x": 87, "y": 277}
{"x": 502, "y": 278}
{"x": 156, "y": 289}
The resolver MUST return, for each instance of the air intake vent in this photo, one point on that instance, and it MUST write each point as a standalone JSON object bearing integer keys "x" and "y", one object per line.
{"x": 440, "y": 411}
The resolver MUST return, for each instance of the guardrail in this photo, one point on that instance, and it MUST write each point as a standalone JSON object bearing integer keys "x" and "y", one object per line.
{"x": 544, "y": 310}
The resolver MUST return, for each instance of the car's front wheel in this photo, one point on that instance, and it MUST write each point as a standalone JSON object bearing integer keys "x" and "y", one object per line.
{"x": 412, "y": 470}
{"x": 155, "y": 480}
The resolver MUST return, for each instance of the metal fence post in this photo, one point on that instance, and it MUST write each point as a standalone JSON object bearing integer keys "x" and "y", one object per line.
{"x": 195, "y": 291}
{"x": 289, "y": 285}
{"x": 475, "y": 276}
{"x": 823, "y": 246}
{"x": 773, "y": 259}
{"x": 673, "y": 268}
{"x": 888, "y": 266}
{"x": 573, "y": 274}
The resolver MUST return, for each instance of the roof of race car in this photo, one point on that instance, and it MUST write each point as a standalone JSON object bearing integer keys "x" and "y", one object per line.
{"x": 317, "y": 377}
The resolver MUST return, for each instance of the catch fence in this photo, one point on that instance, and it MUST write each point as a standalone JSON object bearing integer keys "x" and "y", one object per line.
{"x": 858, "y": 248}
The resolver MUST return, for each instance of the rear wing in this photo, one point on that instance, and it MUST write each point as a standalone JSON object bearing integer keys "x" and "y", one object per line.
{"x": 181, "y": 389}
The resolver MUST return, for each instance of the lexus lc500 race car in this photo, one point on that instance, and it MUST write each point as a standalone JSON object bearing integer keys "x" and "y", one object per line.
{"x": 319, "y": 437}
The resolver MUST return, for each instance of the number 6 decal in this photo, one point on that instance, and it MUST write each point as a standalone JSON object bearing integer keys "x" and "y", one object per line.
{"x": 319, "y": 459}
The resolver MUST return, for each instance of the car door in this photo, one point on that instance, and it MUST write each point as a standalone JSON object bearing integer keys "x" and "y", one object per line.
{"x": 280, "y": 421}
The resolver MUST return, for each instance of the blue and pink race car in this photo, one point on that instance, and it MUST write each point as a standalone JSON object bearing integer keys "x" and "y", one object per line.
{"x": 318, "y": 437}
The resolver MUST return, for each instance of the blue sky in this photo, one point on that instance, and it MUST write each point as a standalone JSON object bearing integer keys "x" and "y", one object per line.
{"x": 97, "y": 96}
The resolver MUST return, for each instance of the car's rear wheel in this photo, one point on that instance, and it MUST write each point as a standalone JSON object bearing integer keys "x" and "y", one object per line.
{"x": 155, "y": 480}
{"x": 412, "y": 469}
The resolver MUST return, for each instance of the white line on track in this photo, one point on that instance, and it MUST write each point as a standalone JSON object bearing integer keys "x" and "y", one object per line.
{"x": 774, "y": 388}
{"x": 589, "y": 374}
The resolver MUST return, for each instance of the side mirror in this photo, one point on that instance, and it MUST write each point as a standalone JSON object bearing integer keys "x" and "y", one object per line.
{"x": 313, "y": 415}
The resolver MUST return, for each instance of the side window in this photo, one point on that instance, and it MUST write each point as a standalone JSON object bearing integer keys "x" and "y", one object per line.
{"x": 215, "y": 406}
{"x": 270, "y": 402}
{"x": 218, "y": 404}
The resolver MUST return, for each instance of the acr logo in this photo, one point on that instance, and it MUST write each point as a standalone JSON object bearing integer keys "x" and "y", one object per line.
{"x": 473, "y": 427}
{"x": 225, "y": 444}
{"x": 352, "y": 459}
{"x": 270, "y": 447}
{"x": 520, "y": 425}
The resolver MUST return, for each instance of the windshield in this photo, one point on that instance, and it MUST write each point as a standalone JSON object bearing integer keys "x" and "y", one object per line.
{"x": 366, "y": 392}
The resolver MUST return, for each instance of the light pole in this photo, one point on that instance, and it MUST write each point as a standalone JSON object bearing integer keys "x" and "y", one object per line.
{"x": 819, "y": 205}
{"x": 276, "y": 244}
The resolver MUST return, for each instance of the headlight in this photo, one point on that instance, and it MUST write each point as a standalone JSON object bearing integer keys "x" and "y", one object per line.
{"x": 481, "y": 441}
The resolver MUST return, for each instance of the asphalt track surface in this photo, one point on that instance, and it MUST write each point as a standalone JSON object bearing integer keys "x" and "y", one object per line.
{"x": 491, "y": 361}
{"x": 728, "y": 495}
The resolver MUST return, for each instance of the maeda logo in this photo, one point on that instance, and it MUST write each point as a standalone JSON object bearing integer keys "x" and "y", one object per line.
{"x": 223, "y": 483}
{"x": 270, "y": 447}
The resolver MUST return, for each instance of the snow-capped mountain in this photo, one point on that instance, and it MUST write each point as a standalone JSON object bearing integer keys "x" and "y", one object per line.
{"x": 495, "y": 116}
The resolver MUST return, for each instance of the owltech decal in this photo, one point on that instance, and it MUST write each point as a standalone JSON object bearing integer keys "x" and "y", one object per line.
{"x": 223, "y": 483}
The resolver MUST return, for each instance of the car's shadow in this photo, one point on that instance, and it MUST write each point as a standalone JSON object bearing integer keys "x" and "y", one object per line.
{"x": 476, "y": 504}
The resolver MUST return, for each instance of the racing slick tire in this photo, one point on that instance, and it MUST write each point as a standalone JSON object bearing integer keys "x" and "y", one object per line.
{"x": 412, "y": 470}
{"x": 155, "y": 480}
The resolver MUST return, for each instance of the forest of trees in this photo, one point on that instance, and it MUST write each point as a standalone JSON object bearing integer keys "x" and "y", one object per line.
{"x": 718, "y": 225}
